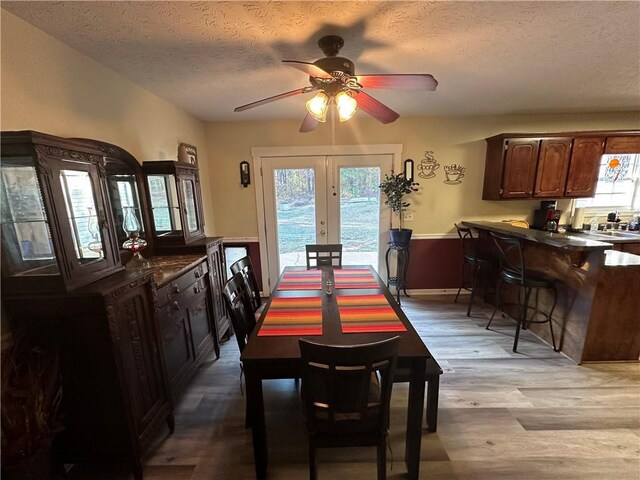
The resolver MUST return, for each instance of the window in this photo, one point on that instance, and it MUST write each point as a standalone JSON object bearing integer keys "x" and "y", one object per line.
{"x": 618, "y": 184}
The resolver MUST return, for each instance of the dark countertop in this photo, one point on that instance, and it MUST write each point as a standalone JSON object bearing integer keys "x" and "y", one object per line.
{"x": 575, "y": 242}
{"x": 172, "y": 266}
{"x": 628, "y": 237}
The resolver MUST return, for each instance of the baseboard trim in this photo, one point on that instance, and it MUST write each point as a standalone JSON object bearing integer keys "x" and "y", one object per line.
{"x": 436, "y": 291}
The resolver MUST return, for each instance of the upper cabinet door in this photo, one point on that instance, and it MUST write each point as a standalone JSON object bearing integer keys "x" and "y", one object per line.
{"x": 630, "y": 144}
{"x": 584, "y": 166}
{"x": 553, "y": 163}
{"x": 519, "y": 168}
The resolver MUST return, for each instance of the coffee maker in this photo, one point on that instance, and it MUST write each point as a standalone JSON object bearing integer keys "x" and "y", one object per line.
{"x": 547, "y": 217}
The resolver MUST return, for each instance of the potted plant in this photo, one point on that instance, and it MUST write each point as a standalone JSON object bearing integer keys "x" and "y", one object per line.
{"x": 395, "y": 187}
{"x": 31, "y": 395}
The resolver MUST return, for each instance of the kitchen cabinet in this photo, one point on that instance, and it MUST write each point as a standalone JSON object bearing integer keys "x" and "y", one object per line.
{"x": 115, "y": 395}
{"x": 622, "y": 144}
{"x": 584, "y": 166}
{"x": 549, "y": 165}
{"x": 553, "y": 164}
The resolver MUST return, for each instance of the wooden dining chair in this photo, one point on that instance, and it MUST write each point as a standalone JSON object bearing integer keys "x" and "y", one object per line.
{"x": 245, "y": 267}
{"x": 346, "y": 392}
{"x": 238, "y": 304}
{"x": 329, "y": 255}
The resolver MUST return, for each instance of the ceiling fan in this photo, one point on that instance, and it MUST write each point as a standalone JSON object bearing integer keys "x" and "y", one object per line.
{"x": 335, "y": 79}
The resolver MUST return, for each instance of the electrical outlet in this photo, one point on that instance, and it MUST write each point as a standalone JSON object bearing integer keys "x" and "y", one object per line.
{"x": 408, "y": 217}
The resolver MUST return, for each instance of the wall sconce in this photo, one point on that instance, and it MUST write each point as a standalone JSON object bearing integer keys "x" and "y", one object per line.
{"x": 245, "y": 176}
{"x": 408, "y": 169}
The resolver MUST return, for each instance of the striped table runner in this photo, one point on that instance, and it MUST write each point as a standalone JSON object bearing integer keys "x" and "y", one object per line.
{"x": 293, "y": 316}
{"x": 367, "y": 314}
{"x": 354, "y": 278}
{"x": 301, "y": 280}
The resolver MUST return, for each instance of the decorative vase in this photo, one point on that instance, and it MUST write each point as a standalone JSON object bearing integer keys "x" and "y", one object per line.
{"x": 400, "y": 236}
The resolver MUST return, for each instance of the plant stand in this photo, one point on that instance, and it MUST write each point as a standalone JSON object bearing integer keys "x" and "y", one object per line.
{"x": 402, "y": 265}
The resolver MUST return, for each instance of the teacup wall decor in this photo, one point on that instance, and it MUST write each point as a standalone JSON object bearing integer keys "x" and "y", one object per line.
{"x": 428, "y": 165}
{"x": 454, "y": 174}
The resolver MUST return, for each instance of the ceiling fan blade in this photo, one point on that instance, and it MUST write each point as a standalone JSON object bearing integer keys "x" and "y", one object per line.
{"x": 308, "y": 124}
{"x": 274, "y": 98}
{"x": 376, "y": 109}
{"x": 400, "y": 81}
{"x": 308, "y": 68}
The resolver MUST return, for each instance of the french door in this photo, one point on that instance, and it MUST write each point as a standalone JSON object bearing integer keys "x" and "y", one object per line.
{"x": 324, "y": 199}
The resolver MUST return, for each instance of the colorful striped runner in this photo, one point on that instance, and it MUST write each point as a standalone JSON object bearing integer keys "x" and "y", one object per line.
{"x": 367, "y": 314}
{"x": 293, "y": 316}
{"x": 301, "y": 280}
{"x": 354, "y": 278}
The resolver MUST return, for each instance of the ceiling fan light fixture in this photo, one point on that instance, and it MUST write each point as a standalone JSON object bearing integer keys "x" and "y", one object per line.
{"x": 318, "y": 106}
{"x": 346, "y": 106}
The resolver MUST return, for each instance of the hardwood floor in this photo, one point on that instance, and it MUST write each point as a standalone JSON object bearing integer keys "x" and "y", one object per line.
{"x": 531, "y": 415}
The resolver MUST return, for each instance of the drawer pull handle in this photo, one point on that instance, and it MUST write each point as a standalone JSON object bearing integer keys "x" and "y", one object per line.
{"x": 175, "y": 306}
{"x": 197, "y": 273}
{"x": 176, "y": 289}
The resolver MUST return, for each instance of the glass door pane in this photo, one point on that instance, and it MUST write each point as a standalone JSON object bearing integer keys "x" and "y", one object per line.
{"x": 190, "y": 205}
{"x": 295, "y": 212}
{"x": 26, "y": 239}
{"x": 164, "y": 204}
{"x": 86, "y": 230}
{"x": 359, "y": 215}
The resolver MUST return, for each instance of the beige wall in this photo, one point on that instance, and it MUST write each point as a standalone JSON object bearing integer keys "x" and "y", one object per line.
{"x": 52, "y": 88}
{"x": 49, "y": 87}
{"x": 436, "y": 206}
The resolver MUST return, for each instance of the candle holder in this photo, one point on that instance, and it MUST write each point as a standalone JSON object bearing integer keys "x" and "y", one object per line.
{"x": 131, "y": 227}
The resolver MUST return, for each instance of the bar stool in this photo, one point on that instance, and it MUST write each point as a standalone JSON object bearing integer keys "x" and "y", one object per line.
{"x": 475, "y": 262}
{"x": 514, "y": 272}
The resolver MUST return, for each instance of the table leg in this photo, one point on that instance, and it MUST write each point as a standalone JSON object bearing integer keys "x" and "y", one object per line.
{"x": 433, "y": 389}
{"x": 414, "y": 417}
{"x": 255, "y": 407}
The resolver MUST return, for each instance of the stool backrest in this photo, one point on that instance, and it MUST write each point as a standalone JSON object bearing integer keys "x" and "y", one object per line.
{"x": 468, "y": 241}
{"x": 511, "y": 255}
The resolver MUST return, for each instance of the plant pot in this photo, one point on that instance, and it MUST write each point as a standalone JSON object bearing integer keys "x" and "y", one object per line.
{"x": 400, "y": 237}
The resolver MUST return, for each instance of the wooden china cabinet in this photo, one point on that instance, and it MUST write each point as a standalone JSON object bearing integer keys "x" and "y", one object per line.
{"x": 130, "y": 339}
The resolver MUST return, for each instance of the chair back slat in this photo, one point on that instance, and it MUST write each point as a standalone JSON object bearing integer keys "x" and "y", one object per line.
{"x": 240, "y": 310}
{"x": 245, "y": 267}
{"x": 468, "y": 241}
{"x": 337, "y": 383}
{"x": 329, "y": 255}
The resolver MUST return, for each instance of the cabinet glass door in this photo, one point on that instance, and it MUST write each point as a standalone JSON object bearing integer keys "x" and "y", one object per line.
{"x": 26, "y": 238}
{"x": 86, "y": 227}
{"x": 164, "y": 204}
{"x": 190, "y": 206}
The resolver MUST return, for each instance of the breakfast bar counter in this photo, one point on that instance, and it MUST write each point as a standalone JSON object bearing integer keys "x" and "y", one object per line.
{"x": 596, "y": 318}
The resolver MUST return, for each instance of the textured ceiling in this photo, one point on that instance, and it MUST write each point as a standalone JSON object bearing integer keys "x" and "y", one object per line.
{"x": 488, "y": 57}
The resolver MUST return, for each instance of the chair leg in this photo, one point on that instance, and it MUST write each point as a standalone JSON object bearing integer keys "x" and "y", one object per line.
{"x": 461, "y": 282}
{"x": 313, "y": 466}
{"x": 382, "y": 460}
{"x": 555, "y": 299}
{"x": 475, "y": 270}
{"x": 523, "y": 318}
{"x": 495, "y": 310}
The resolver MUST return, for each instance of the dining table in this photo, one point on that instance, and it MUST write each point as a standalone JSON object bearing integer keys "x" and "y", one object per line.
{"x": 336, "y": 306}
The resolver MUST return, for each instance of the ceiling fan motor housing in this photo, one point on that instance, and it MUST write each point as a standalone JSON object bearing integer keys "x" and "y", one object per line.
{"x": 336, "y": 64}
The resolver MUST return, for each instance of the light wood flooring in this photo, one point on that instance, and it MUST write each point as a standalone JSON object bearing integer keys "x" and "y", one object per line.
{"x": 531, "y": 415}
